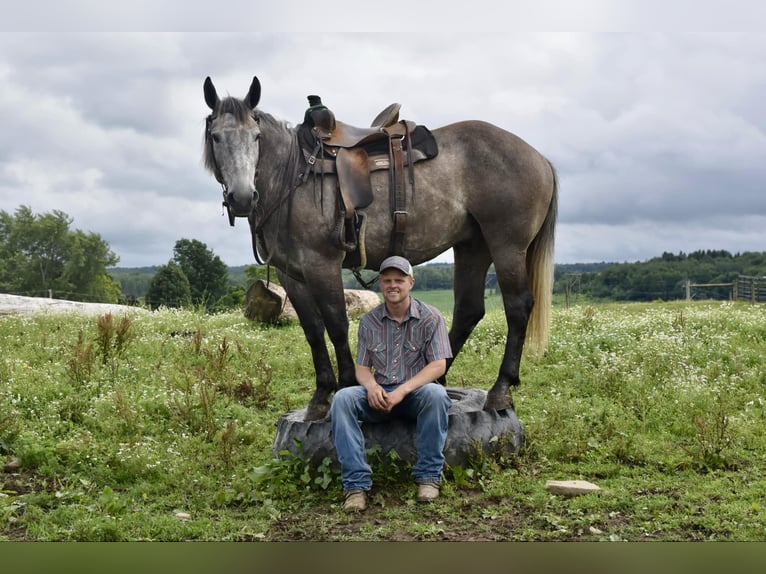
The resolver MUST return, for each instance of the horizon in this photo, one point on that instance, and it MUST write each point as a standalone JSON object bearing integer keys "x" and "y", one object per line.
{"x": 557, "y": 263}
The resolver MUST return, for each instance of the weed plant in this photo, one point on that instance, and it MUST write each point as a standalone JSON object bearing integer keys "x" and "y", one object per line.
{"x": 160, "y": 427}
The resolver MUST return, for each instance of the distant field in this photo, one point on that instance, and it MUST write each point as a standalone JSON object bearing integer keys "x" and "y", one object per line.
{"x": 443, "y": 299}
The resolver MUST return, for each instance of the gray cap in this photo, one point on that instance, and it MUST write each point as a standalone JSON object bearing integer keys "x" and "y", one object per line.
{"x": 396, "y": 262}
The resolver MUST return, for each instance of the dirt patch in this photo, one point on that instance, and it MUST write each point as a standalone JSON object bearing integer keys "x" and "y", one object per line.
{"x": 482, "y": 521}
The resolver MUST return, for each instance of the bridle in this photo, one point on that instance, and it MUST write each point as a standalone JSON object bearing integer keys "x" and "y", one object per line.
{"x": 219, "y": 176}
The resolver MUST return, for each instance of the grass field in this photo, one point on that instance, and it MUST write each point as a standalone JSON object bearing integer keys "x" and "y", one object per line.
{"x": 159, "y": 427}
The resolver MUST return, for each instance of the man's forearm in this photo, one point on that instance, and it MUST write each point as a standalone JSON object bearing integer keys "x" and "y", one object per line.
{"x": 427, "y": 374}
{"x": 365, "y": 377}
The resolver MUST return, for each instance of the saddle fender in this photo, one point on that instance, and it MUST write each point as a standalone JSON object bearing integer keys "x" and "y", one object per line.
{"x": 353, "y": 173}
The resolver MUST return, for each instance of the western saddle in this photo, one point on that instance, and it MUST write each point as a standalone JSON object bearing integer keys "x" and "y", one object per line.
{"x": 352, "y": 153}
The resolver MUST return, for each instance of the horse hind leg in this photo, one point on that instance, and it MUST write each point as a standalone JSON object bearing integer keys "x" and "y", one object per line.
{"x": 472, "y": 260}
{"x": 517, "y": 303}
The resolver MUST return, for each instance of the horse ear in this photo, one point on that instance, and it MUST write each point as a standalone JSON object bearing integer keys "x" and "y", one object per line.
{"x": 254, "y": 93}
{"x": 211, "y": 97}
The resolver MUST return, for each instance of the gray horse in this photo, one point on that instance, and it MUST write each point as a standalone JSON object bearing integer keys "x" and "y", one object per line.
{"x": 487, "y": 194}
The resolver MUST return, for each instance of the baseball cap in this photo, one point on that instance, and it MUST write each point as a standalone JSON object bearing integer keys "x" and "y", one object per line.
{"x": 396, "y": 262}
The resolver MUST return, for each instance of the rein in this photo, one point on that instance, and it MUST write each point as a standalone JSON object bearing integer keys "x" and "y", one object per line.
{"x": 287, "y": 194}
{"x": 267, "y": 213}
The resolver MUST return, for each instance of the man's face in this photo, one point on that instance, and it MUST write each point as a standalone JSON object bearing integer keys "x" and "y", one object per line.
{"x": 395, "y": 285}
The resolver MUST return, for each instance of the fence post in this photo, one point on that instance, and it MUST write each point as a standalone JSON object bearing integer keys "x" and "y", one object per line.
{"x": 688, "y": 290}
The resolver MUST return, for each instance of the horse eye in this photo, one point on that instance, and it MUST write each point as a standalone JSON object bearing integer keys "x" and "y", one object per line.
{"x": 217, "y": 138}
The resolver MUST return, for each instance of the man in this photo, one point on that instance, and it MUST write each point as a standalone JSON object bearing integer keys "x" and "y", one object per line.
{"x": 402, "y": 349}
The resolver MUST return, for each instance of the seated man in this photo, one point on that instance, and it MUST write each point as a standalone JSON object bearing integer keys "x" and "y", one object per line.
{"x": 402, "y": 349}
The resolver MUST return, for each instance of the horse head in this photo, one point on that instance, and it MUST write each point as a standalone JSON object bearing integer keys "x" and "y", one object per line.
{"x": 232, "y": 147}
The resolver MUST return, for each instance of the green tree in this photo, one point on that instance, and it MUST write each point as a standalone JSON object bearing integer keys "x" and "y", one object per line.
{"x": 207, "y": 274}
{"x": 40, "y": 254}
{"x": 255, "y": 272}
{"x": 169, "y": 288}
{"x": 233, "y": 299}
{"x": 85, "y": 267}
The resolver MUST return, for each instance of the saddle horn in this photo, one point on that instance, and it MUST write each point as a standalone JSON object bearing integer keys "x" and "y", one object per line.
{"x": 320, "y": 116}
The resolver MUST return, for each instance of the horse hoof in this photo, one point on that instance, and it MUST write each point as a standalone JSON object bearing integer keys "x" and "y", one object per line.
{"x": 317, "y": 412}
{"x": 498, "y": 403}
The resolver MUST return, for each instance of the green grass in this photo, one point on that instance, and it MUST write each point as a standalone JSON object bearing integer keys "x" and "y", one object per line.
{"x": 159, "y": 427}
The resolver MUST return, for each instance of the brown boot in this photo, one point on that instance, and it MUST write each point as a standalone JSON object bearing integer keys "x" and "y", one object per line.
{"x": 356, "y": 501}
{"x": 427, "y": 492}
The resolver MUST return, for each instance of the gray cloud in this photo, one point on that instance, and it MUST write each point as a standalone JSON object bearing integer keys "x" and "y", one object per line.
{"x": 659, "y": 139}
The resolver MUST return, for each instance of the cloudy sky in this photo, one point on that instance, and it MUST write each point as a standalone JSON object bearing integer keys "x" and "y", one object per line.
{"x": 658, "y": 132}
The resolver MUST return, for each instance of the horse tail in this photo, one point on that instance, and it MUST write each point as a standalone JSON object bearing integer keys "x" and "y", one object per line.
{"x": 540, "y": 267}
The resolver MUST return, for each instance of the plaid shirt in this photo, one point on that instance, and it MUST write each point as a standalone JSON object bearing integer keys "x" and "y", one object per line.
{"x": 397, "y": 352}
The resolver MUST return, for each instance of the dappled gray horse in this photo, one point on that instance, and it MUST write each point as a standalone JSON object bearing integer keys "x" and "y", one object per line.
{"x": 486, "y": 194}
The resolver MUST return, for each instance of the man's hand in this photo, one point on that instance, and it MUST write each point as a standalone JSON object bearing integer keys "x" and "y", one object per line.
{"x": 430, "y": 372}
{"x": 377, "y": 398}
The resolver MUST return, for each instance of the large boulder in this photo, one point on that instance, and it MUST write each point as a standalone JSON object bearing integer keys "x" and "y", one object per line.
{"x": 268, "y": 302}
{"x": 471, "y": 430}
{"x": 20, "y": 305}
{"x": 359, "y": 301}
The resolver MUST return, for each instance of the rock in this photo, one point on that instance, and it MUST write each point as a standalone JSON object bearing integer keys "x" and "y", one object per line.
{"x": 19, "y": 305}
{"x": 359, "y": 301}
{"x": 183, "y": 516}
{"x": 571, "y": 487}
{"x": 470, "y": 427}
{"x": 12, "y": 465}
{"x": 268, "y": 302}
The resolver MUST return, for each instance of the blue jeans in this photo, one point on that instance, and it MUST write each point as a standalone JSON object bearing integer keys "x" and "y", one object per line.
{"x": 428, "y": 405}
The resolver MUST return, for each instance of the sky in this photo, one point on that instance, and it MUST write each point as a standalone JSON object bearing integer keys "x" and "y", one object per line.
{"x": 655, "y": 124}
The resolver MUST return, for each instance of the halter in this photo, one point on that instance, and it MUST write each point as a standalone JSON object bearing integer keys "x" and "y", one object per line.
{"x": 219, "y": 176}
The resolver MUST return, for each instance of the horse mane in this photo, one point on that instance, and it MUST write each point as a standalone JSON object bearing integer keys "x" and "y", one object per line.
{"x": 291, "y": 158}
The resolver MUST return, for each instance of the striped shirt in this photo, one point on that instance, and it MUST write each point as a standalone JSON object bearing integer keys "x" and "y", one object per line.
{"x": 397, "y": 352}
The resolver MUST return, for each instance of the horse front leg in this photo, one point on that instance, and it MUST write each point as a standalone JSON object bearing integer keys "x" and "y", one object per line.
{"x": 313, "y": 326}
{"x": 331, "y": 300}
{"x": 337, "y": 330}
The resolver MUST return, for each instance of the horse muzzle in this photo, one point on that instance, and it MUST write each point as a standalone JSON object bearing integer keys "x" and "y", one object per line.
{"x": 240, "y": 202}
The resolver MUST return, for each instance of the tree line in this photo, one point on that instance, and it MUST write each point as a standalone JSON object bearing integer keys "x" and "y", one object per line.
{"x": 663, "y": 277}
{"x": 195, "y": 276}
{"x": 659, "y": 278}
{"x": 41, "y": 256}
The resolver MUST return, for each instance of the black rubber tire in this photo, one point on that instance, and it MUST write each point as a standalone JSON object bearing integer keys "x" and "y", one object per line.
{"x": 471, "y": 430}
